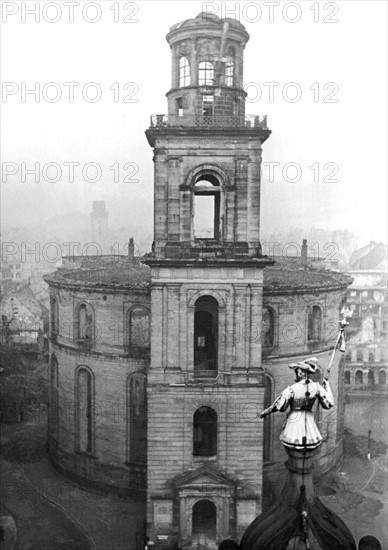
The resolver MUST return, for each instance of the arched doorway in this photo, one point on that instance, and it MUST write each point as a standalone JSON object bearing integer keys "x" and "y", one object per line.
{"x": 204, "y": 521}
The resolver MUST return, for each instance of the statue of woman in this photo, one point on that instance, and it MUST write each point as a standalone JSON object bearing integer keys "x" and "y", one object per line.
{"x": 300, "y": 431}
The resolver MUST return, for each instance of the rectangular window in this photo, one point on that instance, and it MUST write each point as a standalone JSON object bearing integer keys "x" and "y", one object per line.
{"x": 208, "y": 102}
{"x": 206, "y": 73}
{"x": 179, "y": 106}
{"x": 204, "y": 207}
{"x": 184, "y": 72}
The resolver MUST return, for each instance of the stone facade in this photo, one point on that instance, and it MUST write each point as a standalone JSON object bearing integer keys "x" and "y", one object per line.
{"x": 113, "y": 364}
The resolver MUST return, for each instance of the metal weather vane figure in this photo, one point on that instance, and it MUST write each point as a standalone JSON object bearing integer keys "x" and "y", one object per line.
{"x": 300, "y": 431}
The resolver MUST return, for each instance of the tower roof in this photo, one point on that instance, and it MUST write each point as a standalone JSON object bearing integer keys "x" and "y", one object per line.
{"x": 210, "y": 19}
{"x": 207, "y": 22}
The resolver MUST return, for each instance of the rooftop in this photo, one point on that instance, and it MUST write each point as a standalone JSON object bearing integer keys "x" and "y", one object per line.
{"x": 101, "y": 272}
{"x": 207, "y": 18}
{"x": 124, "y": 273}
{"x": 291, "y": 276}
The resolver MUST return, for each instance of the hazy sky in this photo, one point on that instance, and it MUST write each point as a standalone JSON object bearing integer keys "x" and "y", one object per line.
{"x": 344, "y": 61}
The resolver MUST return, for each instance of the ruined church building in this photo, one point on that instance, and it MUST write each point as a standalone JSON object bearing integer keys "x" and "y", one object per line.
{"x": 160, "y": 365}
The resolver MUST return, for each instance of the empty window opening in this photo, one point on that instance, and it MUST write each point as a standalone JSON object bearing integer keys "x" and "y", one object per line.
{"x": 205, "y": 73}
{"x": 314, "y": 324}
{"x": 268, "y": 329}
{"x": 371, "y": 378}
{"x": 85, "y": 323}
{"x": 382, "y": 377}
{"x": 206, "y": 334}
{"x": 359, "y": 378}
{"x": 184, "y": 72}
{"x": 236, "y": 104}
{"x": 137, "y": 417}
{"x": 208, "y": 104}
{"x": 205, "y": 432}
{"x": 179, "y": 106}
{"x": 207, "y": 208}
{"x": 139, "y": 331}
{"x": 85, "y": 410}
{"x": 347, "y": 377}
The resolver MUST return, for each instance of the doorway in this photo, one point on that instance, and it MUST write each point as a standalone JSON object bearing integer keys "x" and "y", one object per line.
{"x": 204, "y": 522}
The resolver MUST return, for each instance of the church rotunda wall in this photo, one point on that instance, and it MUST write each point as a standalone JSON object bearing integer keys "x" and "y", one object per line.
{"x": 99, "y": 353}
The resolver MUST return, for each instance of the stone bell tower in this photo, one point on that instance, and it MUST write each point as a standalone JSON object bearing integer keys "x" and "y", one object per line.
{"x": 205, "y": 383}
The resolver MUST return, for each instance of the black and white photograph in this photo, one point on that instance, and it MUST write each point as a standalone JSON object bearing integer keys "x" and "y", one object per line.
{"x": 193, "y": 291}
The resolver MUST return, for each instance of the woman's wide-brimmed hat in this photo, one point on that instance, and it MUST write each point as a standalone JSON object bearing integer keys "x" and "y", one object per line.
{"x": 309, "y": 365}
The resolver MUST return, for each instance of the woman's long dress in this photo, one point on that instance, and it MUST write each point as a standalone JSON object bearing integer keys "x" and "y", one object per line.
{"x": 300, "y": 431}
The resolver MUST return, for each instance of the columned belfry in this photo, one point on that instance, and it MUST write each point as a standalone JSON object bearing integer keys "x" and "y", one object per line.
{"x": 205, "y": 382}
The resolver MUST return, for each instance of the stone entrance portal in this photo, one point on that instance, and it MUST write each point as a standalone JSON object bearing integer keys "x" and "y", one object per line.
{"x": 204, "y": 521}
{"x": 205, "y": 499}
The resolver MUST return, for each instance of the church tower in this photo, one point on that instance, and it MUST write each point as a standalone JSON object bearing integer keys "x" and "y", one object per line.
{"x": 205, "y": 382}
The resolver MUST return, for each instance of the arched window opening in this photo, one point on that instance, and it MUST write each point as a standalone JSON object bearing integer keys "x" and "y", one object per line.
{"x": 206, "y": 73}
{"x": 382, "y": 378}
{"x": 371, "y": 357}
{"x": 139, "y": 332}
{"x": 267, "y": 428}
{"x": 184, "y": 72}
{"x": 137, "y": 418}
{"x": 54, "y": 315}
{"x": 205, "y": 432}
{"x": 85, "y": 410}
{"x": 314, "y": 328}
{"x": 206, "y": 336}
{"x": 268, "y": 328}
{"x": 85, "y": 323}
{"x": 359, "y": 378}
{"x": 347, "y": 377}
{"x": 204, "y": 521}
{"x": 54, "y": 398}
{"x": 360, "y": 355}
{"x": 207, "y": 207}
{"x": 229, "y": 67}
{"x": 371, "y": 378}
